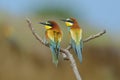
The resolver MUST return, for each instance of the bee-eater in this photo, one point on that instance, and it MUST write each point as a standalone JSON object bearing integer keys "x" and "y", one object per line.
{"x": 53, "y": 35}
{"x": 76, "y": 36}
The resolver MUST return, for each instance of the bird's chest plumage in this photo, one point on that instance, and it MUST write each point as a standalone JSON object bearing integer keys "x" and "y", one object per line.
{"x": 53, "y": 35}
{"x": 76, "y": 34}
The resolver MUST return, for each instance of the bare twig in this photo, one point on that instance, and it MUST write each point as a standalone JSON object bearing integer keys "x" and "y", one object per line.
{"x": 34, "y": 33}
{"x": 94, "y": 36}
{"x": 65, "y": 52}
{"x": 73, "y": 64}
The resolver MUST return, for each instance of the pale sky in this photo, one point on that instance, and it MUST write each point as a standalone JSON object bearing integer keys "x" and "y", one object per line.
{"x": 103, "y": 12}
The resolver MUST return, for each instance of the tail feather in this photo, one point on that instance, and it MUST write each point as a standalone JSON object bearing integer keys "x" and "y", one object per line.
{"x": 78, "y": 50}
{"x": 55, "y": 49}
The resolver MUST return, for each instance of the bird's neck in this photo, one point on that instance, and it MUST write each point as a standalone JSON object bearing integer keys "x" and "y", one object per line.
{"x": 75, "y": 25}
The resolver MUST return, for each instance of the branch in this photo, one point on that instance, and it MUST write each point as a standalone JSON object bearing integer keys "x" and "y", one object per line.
{"x": 65, "y": 52}
{"x": 73, "y": 65}
{"x": 94, "y": 36}
{"x": 34, "y": 33}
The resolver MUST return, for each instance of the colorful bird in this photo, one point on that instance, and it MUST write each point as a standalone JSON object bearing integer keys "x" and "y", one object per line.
{"x": 76, "y": 36}
{"x": 53, "y": 36}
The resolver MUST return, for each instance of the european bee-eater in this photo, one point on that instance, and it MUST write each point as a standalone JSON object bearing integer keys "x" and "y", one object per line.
{"x": 53, "y": 36}
{"x": 76, "y": 36}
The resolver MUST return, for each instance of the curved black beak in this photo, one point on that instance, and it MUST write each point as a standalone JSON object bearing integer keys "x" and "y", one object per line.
{"x": 42, "y": 23}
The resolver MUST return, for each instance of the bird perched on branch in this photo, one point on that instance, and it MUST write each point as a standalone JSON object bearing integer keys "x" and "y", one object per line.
{"x": 53, "y": 36}
{"x": 76, "y": 36}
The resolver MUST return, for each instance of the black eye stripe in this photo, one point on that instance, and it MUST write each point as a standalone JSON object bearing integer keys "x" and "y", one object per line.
{"x": 69, "y": 21}
{"x": 49, "y": 24}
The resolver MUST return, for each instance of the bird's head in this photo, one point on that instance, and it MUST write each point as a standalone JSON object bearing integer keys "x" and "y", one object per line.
{"x": 69, "y": 21}
{"x": 49, "y": 24}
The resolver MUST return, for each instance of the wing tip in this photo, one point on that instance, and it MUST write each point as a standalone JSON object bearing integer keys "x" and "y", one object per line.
{"x": 55, "y": 62}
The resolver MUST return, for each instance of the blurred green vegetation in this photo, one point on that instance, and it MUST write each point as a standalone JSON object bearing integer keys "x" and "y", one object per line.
{"x": 54, "y": 12}
{"x": 22, "y": 57}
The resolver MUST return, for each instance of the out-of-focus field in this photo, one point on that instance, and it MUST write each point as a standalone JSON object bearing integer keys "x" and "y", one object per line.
{"x": 22, "y": 57}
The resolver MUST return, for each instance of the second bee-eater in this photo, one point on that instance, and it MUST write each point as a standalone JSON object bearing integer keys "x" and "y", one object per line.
{"x": 76, "y": 36}
{"x": 53, "y": 36}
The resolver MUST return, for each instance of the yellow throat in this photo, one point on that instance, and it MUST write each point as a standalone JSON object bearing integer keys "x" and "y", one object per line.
{"x": 68, "y": 24}
{"x": 48, "y": 27}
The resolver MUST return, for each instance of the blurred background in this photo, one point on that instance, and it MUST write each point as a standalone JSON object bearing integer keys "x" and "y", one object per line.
{"x": 22, "y": 57}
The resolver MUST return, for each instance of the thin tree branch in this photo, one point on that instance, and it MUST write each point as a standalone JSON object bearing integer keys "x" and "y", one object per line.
{"x": 66, "y": 52}
{"x": 34, "y": 33}
{"x": 73, "y": 65}
{"x": 94, "y": 36}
